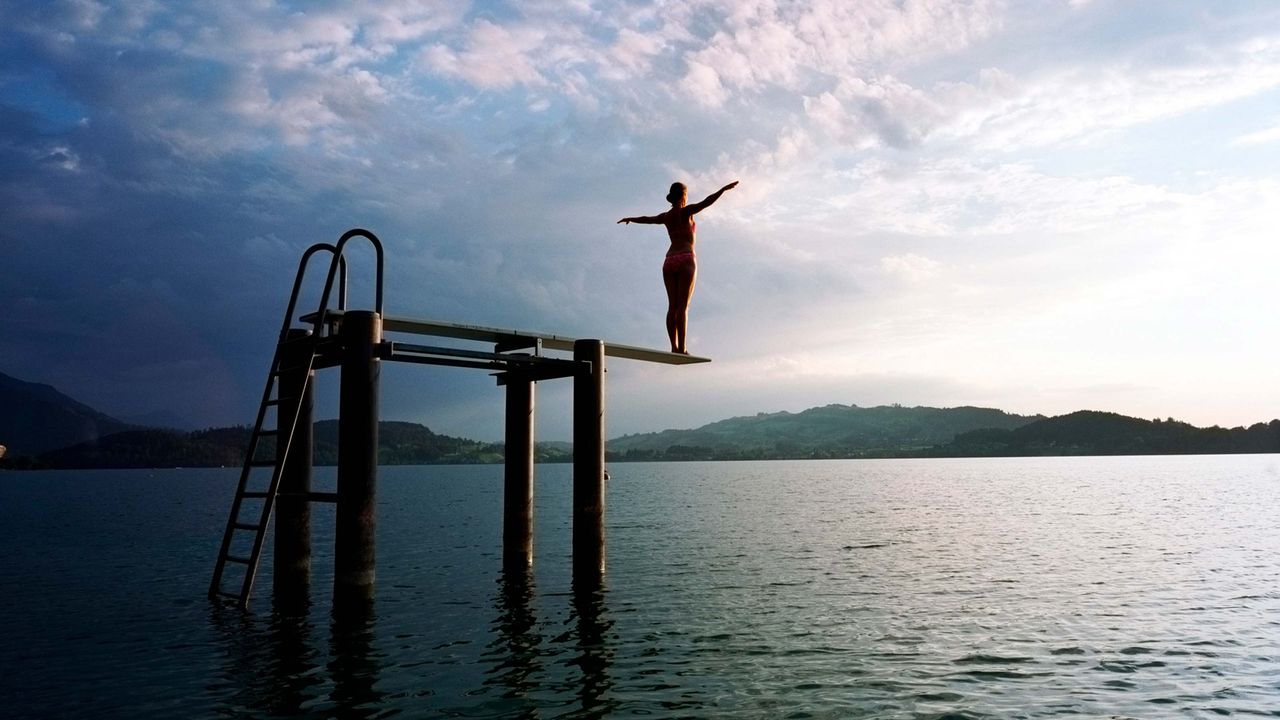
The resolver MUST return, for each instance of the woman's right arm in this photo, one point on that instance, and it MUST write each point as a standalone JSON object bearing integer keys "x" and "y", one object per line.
{"x": 644, "y": 220}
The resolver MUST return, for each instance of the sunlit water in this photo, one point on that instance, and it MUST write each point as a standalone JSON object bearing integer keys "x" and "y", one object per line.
{"x": 1007, "y": 588}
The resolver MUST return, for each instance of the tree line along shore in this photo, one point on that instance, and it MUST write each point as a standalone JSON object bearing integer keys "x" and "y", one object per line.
{"x": 830, "y": 432}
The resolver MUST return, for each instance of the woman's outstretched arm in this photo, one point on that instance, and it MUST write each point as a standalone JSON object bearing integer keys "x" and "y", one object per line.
{"x": 645, "y": 220}
{"x": 699, "y": 207}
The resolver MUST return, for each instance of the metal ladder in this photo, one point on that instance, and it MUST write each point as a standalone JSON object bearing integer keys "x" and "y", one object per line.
{"x": 287, "y": 410}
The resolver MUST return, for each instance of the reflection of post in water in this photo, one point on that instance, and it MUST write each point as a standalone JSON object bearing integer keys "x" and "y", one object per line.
{"x": 594, "y": 654}
{"x": 267, "y": 670}
{"x": 270, "y": 669}
{"x": 241, "y": 682}
{"x": 293, "y": 658}
{"x": 353, "y": 665}
{"x": 517, "y": 643}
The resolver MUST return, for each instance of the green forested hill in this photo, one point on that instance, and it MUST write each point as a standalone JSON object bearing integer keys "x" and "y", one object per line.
{"x": 399, "y": 443}
{"x": 404, "y": 443}
{"x": 1101, "y": 433}
{"x": 152, "y": 448}
{"x": 831, "y": 431}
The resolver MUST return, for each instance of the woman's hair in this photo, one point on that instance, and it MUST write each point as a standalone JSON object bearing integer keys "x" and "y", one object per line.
{"x": 678, "y": 190}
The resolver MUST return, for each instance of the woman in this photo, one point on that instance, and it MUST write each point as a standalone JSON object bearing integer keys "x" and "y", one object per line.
{"x": 680, "y": 268}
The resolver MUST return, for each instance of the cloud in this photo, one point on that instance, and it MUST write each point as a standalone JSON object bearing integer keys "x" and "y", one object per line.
{"x": 880, "y": 111}
{"x": 910, "y": 267}
{"x": 632, "y": 53}
{"x": 703, "y": 83}
{"x": 494, "y": 57}
{"x": 1259, "y": 137}
{"x": 1073, "y": 104}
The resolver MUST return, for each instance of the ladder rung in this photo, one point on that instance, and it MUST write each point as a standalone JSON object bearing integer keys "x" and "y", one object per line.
{"x": 238, "y": 559}
{"x": 245, "y": 526}
{"x": 268, "y": 433}
{"x": 262, "y": 463}
{"x": 225, "y": 594}
{"x": 280, "y": 400}
{"x": 254, "y": 494}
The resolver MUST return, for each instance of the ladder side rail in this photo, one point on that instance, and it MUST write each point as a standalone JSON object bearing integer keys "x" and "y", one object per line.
{"x": 246, "y": 471}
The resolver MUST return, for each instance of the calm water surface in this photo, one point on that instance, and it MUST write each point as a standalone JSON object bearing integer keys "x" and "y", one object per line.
{"x": 1007, "y": 588}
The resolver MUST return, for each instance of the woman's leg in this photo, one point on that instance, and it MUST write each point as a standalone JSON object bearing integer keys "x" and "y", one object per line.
{"x": 679, "y": 282}
{"x": 671, "y": 281}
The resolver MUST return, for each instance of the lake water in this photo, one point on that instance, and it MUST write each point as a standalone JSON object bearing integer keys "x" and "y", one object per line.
{"x": 995, "y": 588}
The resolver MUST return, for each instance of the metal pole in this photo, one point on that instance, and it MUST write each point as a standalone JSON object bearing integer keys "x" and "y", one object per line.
{"x": 292, "y": 578}
{"x": 354, "y": 556}
{"x": 517, "y": 497}
{"x": 588, "y": 460}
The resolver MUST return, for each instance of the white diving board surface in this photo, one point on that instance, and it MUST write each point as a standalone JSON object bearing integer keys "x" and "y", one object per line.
{"x": 517, "y": 338}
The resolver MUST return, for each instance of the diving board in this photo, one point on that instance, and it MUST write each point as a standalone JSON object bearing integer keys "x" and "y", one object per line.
{"x": 506, "y": 340}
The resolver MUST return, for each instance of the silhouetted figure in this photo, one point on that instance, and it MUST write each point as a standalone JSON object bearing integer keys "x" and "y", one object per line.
{"x": 680, "y": 268}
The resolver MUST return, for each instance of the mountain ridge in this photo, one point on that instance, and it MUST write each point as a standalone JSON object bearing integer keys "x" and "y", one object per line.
{"x": 831, "y": 430}
{"x": 38, "y": 418}
{"x": 827, "y": 431}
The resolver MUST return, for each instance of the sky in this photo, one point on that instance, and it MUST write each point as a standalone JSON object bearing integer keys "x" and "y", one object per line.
{"x": 1036, "y": 205}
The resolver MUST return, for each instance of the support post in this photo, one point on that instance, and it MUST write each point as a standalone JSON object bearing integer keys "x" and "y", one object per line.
{"x": 354, "y": 556}
{"x": 292, "y": 572}
{"x": 588, "y": 461}
{"x": 517, "y": 496}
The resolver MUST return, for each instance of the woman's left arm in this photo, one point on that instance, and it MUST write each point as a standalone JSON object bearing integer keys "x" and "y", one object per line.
{"x": 644, "y": 220}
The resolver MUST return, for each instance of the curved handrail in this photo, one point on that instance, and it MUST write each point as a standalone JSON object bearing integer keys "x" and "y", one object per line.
{"x": 340, "y": 262}
{"x": 297, "y": 283}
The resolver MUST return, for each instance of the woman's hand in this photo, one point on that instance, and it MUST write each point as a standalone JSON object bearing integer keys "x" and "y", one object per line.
{"x": 624, "y": 221}
{"x": 730, "y": 186}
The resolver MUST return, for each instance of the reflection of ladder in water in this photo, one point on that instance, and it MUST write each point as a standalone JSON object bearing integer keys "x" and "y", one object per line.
{"x": 295, "y": 356}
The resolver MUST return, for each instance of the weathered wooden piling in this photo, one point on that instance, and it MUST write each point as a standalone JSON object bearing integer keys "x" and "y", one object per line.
{"x": 588, "y": 459}
{"x": 356, "y": 521}
{"x": 517, "y": 496}
{"x": 292, "y": 577}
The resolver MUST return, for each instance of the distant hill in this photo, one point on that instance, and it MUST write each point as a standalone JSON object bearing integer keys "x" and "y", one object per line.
{"x": 831, "y": 431}
{"x": 44, "y": 428}
{"x": 36, "y": 418}
{"x": 399, "y": 443}
{"x": 153, "y": 448}
{"x": 1102, "y": 433}
{"x": 404, "y": 443}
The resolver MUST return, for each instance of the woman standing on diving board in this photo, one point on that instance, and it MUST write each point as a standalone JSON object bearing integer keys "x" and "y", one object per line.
{"x": 680, "y": 268}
